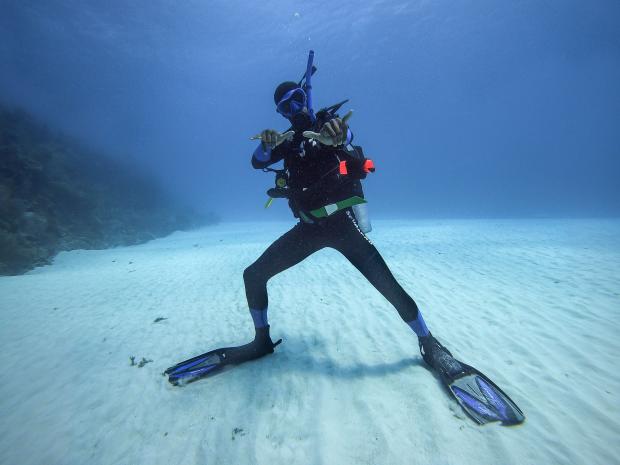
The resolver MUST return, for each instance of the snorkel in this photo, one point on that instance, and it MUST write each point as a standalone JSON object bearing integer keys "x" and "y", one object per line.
{"x": 300, "y": 112}
{"x": 304, "y": 118}
{"x": 310, "y": 69}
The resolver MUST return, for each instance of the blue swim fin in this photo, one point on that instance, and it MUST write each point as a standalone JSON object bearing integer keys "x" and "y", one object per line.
{"x": 214, "y": 360}
{"x": 480, "y": 397}
{"x": 196, "y": 367}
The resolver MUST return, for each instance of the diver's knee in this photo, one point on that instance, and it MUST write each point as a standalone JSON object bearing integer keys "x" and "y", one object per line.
{"x": 252, "y": 274}
{"x": 249, "y": 273}
{"x": 408, "y": 310}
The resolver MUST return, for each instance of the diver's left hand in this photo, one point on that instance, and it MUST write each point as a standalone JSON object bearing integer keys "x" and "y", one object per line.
{"x": 334, "y": 132}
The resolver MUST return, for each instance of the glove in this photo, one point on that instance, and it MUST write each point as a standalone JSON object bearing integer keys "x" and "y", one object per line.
{"x": 270, "y": 138}
{"x": 334, "y": 132}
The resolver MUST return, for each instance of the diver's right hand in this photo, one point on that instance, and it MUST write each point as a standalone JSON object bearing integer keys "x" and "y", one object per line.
{"x": 272, "y": 138}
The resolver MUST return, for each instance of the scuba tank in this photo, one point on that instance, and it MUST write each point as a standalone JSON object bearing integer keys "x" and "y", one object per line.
{"x": 360, "y": 211}
{"x": 363, "y": 218}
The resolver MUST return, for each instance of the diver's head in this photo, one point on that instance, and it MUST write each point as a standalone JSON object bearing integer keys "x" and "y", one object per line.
{"x": 292, "y": 103}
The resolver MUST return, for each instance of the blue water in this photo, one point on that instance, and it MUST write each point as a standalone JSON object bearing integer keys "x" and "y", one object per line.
{"x": 469, "y": 108}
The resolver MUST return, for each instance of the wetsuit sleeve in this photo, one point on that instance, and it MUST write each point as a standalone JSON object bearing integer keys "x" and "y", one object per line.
{"x": 262, "y": 155}
{"x": 263, "y": 158}
{"x": 349, "y": 136}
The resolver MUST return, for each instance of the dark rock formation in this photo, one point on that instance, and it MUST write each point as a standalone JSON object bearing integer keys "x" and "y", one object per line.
{"x": 57, "y": 195}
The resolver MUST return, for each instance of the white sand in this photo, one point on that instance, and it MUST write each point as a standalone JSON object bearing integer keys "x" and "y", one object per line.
{"x": 533, "y": 304}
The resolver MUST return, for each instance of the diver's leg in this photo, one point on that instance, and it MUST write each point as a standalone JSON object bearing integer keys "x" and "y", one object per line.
{"x": 348, "y": 239}
{"x": 291, "y": 248}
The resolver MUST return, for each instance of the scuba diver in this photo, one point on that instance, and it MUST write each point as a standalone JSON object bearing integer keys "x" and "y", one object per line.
{"x": 321, "y": 180}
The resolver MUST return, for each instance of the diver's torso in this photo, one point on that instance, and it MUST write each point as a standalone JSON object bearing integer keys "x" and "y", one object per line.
{"x": 309, "y": 163}
{"x": 315, "y": 168}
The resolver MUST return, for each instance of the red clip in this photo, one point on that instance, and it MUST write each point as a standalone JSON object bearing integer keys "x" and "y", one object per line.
{"x": 369, "y": 166}
{"x": 343, "y": 168}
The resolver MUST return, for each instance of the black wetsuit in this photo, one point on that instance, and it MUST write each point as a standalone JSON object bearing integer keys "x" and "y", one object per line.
{"x": 310, "y": 165}
{"x": 313, "y": 173}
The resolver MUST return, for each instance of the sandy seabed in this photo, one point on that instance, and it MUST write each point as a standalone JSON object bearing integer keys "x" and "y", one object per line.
{"x": 534, "y": 304}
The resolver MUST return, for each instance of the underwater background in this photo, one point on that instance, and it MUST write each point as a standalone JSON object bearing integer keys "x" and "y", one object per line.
{"x": 468, "y": 108}
{"x": 129, "y": 210}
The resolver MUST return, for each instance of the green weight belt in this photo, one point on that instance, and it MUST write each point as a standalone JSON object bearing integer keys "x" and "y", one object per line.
{"x": 334, "y": 207}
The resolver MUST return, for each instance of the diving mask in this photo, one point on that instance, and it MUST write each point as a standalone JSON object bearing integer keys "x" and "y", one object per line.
{"x": 293, "y": 102}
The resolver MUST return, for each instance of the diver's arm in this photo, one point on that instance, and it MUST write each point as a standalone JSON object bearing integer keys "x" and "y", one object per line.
{"x": 270, "y": 149}
{"x": 261, "y": 155}
{"x": 265, "y": 156}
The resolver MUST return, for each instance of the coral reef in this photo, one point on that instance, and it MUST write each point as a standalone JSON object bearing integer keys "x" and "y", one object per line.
{"x": 56, "y": 195}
